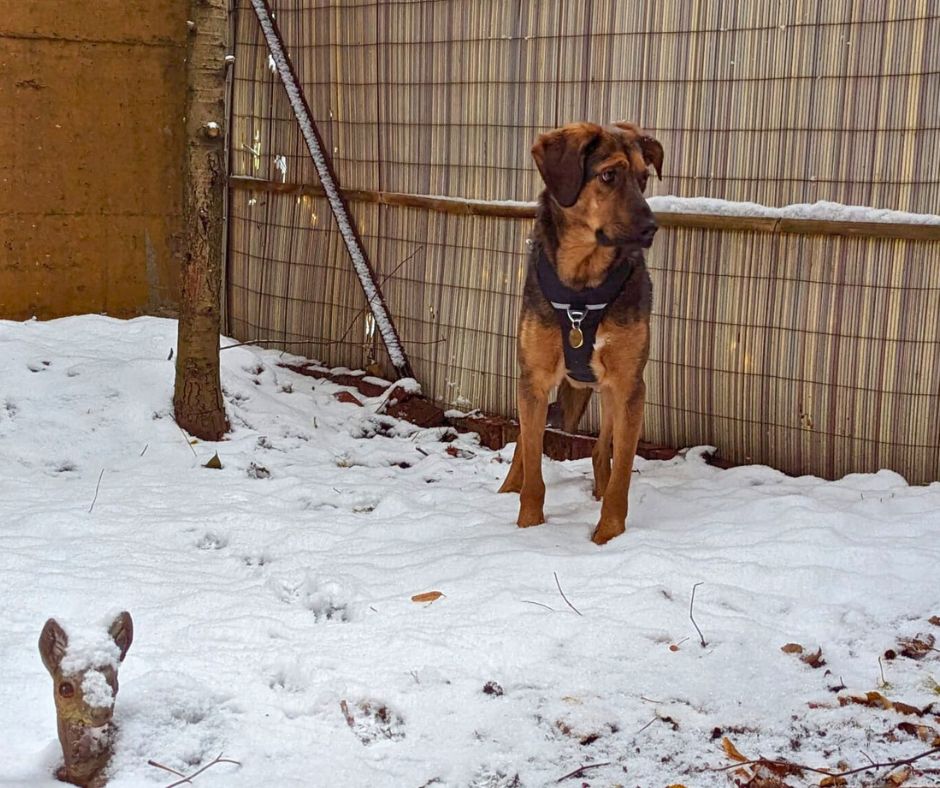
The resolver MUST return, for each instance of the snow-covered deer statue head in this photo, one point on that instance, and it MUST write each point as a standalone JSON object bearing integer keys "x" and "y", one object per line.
{"x": 84, "y": 674}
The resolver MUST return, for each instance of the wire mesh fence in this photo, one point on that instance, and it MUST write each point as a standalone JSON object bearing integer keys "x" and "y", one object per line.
{"x": 812, "y": 353}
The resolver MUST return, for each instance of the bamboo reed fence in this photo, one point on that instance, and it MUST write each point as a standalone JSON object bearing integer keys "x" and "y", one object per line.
{"x": 812, "y": 347}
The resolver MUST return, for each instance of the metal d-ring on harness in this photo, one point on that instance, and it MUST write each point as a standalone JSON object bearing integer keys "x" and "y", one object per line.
{"x": 580, "y": 312}
{"x": 576, "y": 317}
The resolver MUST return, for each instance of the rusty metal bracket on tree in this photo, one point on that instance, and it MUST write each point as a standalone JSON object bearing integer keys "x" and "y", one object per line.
{"x": 331, "y": 188}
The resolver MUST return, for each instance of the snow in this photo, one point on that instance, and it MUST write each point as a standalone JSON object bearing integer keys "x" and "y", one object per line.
{"x": 301, "y": 112}
{"x": 89, "y": 646}
{"x": 96, "y": 692}
{"x": 818, "y": 211}
{"x": 272, "y": 603}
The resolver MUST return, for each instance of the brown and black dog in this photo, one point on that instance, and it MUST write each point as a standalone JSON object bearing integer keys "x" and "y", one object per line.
{"x": 586, "y": 307}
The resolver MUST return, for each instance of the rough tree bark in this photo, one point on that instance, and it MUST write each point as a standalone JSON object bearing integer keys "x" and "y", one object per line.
{"x": 197, "y": 398}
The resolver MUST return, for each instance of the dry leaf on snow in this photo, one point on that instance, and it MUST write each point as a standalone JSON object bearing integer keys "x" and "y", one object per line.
{"x": 875, "y": 700}
{"x": 917, "y": 647}
{"x": 427, "y": 596}
{"x": 814, "y": 660}
{"x": 922, "y": 732}
{"x": 730, "y": 750}
{"x": 792, "y": 648}
{"x": 899, "y": 777}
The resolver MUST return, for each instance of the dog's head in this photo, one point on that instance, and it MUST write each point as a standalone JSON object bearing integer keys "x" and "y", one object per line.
{"x": 597, "y": 176}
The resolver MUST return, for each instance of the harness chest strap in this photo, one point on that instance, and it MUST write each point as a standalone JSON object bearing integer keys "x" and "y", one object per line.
{"x": 580, "y": 312}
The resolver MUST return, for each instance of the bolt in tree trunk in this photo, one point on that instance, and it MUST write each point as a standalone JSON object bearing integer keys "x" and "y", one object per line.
{"x": 197, "y": 400}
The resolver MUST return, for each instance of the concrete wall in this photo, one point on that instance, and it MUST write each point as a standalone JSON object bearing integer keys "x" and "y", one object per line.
{"x": 92, "y": 97}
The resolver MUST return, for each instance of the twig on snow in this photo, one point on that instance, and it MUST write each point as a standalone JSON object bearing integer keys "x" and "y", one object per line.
{"x": 826, "y": 772}
{"x": 185, "y": 438}
{"x": 97, "y": 487}
{"x": 557, "y": 583}
{"x": 884, "y": 681}
{"x": 189, "y": 779}
{"x": 701, "y": 637}
{"x": 579, "y": 772}
{"x": 646, "y": 726}
{"x": 165, "y": 768}
{"x": 530, "y": 602}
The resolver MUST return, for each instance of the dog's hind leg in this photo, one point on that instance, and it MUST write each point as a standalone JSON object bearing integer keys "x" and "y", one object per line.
{"x": 566, "y": 411}
{"x": 627, "y": 420}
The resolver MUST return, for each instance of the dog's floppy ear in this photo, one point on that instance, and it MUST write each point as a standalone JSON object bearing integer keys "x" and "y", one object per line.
{"x": 560, "y": 156}
{"x": 652, "y": 154}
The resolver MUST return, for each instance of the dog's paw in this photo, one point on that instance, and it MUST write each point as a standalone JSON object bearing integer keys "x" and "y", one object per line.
{"x": 606, "y": 531}
{"x": 529, "y": 518}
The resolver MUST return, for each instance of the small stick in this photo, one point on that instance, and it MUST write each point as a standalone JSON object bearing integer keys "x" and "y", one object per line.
{"x": 97, "y": 486}
{"x": 165, "y": 768}
{"x": 691, "y": 603}
{"x": 530, "y": 602}
{"x": 185, "y": 438}
{"x": 209, "y": 765}
{"x": 827, "y": 773}
{"x": 579, "y": 772}
{"x": 146, "y": 446}
{"x": 557, "y": 583}
{"x": 881, "y": 667}
{"x": 646, "y": 726}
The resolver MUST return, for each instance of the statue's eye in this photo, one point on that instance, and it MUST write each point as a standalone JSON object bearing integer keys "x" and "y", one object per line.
{"x": 608, "y": 176}
{"x": 66, "y": 689}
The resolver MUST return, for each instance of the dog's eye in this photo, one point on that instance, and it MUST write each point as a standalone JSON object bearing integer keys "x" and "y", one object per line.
{"x": 66, "y": 689}
{"x": 608, "y": 176}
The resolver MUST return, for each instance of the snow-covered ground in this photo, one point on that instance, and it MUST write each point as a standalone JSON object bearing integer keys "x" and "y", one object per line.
{"x": 272, "y": 598}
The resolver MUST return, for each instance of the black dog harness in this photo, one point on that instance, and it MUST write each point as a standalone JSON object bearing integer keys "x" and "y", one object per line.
{"x": 580, "y": 312}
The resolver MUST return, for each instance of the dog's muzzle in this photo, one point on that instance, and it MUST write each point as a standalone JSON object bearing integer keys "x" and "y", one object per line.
{"x": 643, "y": 238}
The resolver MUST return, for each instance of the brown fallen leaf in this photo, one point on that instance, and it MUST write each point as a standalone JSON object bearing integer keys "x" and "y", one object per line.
{"x": 935, "y": 620}
{"x": 427, "y": 596}
{"x": 730, "y": 750}
{"x": 923, "y": 732}
{"x": 918, "y": 646}
{"x": 214, "y": 463}
{"x": 815, "y": 659}
{"x": 906, "y": 708}
{"x": 898, "y": 777}
{"x": 831, "y": 782}
{"x": 792, "y": 648}
{"x": 875, "y": 700}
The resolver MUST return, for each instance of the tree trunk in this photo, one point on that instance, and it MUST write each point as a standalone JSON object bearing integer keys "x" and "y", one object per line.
{"x": 197, "y": 400}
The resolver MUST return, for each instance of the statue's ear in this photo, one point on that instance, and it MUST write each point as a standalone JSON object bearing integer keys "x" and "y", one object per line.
{"x": 560, "y": 156}
{"x": 52, "y": 645}
{"x": 122, "y": 632}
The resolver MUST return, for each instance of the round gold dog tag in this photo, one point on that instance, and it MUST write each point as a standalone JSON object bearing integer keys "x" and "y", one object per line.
{"x": 575, "y": 338}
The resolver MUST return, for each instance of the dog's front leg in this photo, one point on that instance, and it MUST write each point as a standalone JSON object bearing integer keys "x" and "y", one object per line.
{"x": 533, "y": 409}
{"x": 627, "y": 422}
